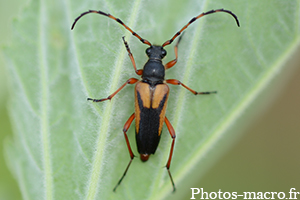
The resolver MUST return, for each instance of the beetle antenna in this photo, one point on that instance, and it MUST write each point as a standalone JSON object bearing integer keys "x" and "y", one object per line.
{"x": 114, "y": 18}
{"x": 195, "y": 18}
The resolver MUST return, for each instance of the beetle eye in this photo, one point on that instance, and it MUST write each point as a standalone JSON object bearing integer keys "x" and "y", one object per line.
{"x": 163, "y": 53}
{"x": 148, "y": 51}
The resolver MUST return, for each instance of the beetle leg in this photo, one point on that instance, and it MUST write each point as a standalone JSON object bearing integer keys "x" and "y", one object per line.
{"x": 177, "y": 82}
{"x": 129, "y": 81}
{"x": 125, "y": 129}
{"x": 138, "y": 72}
{"x": 173, "y": 62}
{"x": 172, "y": 133}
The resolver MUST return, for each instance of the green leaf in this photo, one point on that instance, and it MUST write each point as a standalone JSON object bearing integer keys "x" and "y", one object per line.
{"x": 65, "y": 147}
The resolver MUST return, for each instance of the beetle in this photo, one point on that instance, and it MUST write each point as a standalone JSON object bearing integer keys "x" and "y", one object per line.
{"x": 151, "y": 93}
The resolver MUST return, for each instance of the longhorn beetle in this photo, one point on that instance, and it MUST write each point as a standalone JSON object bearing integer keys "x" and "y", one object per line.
{"x": 151, "y": 93}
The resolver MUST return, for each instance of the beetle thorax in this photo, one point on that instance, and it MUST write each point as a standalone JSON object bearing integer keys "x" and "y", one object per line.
{"x": 153, "y": 72}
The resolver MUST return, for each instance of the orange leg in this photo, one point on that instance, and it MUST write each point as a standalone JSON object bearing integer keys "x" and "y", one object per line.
{"x": 173, "y": 62}
{"x": 129, "y": 81}
{"x": 138, "y": 72}
{"x": 177, "y": 82}
{"x": 125, "y": 129}
{"x": 172, "y": 133}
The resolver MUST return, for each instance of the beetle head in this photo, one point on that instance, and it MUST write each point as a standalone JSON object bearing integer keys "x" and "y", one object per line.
{"x": 156, "y": 52}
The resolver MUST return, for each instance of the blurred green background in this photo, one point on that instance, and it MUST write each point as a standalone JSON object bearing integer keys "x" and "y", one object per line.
{"x": 8, "y": 186}
{"x": 265, "y": 158}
